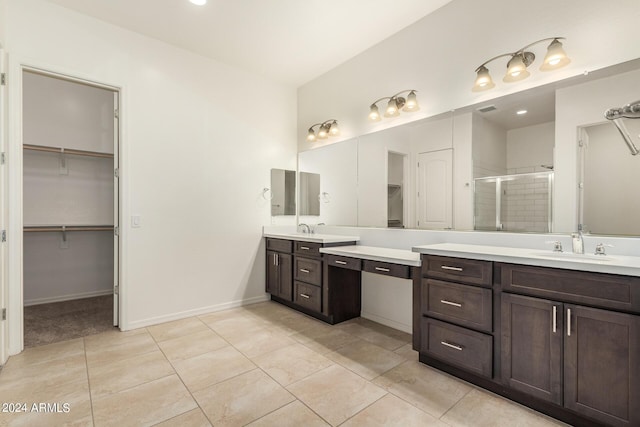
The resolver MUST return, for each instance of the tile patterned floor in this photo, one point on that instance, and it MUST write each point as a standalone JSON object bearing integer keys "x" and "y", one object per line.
{"x": 259, "y": 365}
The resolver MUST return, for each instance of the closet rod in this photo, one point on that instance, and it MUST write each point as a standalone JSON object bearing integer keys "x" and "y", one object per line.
{"x": 69, "y": 228}
{"x": 67, "y": 151}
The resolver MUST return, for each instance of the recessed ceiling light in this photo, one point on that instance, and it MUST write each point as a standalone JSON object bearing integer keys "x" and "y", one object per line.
{"x": 521, "y": 112}
{"x": 199, "y": 2}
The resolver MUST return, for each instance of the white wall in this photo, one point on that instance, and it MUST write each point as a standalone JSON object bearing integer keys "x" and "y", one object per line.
{"x": 530, "y": 147}
{"x": 438, "y": 55}
{"x": 489, "y": 148}
{"x": 195, "y": 158}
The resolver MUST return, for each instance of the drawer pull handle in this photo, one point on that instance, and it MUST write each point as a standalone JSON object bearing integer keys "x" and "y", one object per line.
{"x": 305, "y": 296}
{"x": 386, "y": 270}
{"x": 568, "y": 322}
{"x": 555, "y": 318}
{"x": 341, "y": 262}
{"x": 304, "y": 248}
{"x": 304, "y": 270}
{"x": 455, "y": 304}
{"x": 446, "y": 267}
{"x": 453, "y": 346}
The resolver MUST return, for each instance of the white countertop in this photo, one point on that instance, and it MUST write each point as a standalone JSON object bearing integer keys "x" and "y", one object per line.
{"x": 613, "y": 264}
{"x": 313, "y": 237}
{"x": 374, "y": 253}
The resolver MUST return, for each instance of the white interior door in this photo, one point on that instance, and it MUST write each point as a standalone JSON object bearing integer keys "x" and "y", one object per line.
{"x": 4, "y": 345}
{"x": 435, "y": 189}
{"x": 116, "y": 209}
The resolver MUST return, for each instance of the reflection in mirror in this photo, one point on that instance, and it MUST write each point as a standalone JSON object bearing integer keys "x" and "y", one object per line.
{"x": 309, "y": 194}
{"x": 609, "y": 179}
{"x": 396, "y": 197}
{"x": 283, "y": 192}
{"x": 337, "y": 165}
{"x": 513, "y": 142}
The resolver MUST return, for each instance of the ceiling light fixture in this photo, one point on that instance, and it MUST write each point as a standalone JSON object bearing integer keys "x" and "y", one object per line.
{"x": 555, "y": 58}
{"x": 521, "y": 112}
{"x": 395, "y": 104}
{"x": 327, "y": 128}
{"x": 199, "y": 2}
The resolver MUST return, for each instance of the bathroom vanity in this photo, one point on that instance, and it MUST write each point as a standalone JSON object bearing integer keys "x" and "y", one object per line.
{"x": 557, "y": 332}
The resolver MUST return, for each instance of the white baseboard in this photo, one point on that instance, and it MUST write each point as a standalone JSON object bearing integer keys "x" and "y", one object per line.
{"x": 195, "y": 312}
{"x": 387, "y": 322}
{"x": 60, "y": 298}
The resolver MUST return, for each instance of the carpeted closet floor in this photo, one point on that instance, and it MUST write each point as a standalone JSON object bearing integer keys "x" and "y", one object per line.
{"x": 61, "y": 321}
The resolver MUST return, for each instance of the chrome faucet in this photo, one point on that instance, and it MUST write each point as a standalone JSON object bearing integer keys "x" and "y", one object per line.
{"x": 305, "y": 228}
{"x": 578, "y": 242}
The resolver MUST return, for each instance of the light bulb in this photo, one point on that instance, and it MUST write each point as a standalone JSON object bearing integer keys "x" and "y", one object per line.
{"x": 556, "y": 57}
{"x": 311, "y": 135}
{"x": 412, "y": 102}
{"x": 483, "y": 80}
{"x": 374, "y": 113}
{"x": 392, "y": 109}
{"x": 334, "y": 130}
{"x": 516, "y": 70}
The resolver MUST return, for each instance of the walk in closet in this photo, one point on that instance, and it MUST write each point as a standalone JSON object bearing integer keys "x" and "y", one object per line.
{"x": 70, "y": 193}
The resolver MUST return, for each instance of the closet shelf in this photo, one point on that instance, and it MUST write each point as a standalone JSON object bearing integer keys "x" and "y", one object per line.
{"x": 61, "y": 150}
{"x": 62, "y": 228}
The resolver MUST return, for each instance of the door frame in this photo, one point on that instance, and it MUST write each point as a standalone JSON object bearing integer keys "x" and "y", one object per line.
{"x": 15, "y": 315}
{"x": 4, "y": 329}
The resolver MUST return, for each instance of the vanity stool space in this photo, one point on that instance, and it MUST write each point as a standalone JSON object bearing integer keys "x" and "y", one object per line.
{"x": 294, "y": 273}
{"x": 562, "y": 341}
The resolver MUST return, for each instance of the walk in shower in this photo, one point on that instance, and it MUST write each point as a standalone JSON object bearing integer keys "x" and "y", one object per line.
{"x": 518, "y": 203}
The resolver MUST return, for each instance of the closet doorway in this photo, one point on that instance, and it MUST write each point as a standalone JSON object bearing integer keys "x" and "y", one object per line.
{"x": 70, "y": 207}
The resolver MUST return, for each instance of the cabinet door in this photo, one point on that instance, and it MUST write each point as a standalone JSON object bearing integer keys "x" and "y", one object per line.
{"x": 285, "y": 272}
{"x": 602, "y": 365}
{"x": 532, "y": 333}
{"x": 272, "y": 284}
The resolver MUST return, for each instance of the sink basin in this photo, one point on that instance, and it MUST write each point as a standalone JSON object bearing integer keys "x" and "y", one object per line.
{"x": 568, "y": 256}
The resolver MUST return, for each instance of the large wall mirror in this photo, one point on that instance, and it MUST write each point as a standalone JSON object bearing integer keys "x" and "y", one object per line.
{"x": 490, "y": 166}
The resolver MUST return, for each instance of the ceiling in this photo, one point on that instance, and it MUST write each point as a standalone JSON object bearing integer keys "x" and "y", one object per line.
{"x": 289, "y": 41}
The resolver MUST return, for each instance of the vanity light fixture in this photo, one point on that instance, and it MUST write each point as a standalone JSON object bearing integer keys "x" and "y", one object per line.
{"x": 327, "y": 128}
{"x": 555, "y": 58}
{"x": 396, "y": 102}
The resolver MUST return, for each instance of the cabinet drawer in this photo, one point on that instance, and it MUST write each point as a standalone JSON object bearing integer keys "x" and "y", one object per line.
{"x": 279, "y": 245}
{"x": 343, "y": 262}
{"x": 596, "y": 289}
{"x": 307, "y": 248}
{"x": 308, "y": 296}
{"x": 386, "y": 268}
{"x": 470, "y": 271}
{"x": 465, "y": 305}
{"x": 308, "y": 270}
{"x": 458, "y": 346}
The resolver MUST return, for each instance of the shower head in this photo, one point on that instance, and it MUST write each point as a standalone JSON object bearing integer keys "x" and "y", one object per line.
{"x": 629, "y": 111}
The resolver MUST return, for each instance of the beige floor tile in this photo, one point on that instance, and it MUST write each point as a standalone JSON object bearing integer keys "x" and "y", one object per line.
{"x": 407, "y": 352}
{"x": 231, "y": 313}
{"x": 260, "y": 341}
{"x": 194, "y": 418}
{"x": 482, "y": 409}
{"x": 386, "y": 338}
{"x": 108, "y": 339}
{"x": 146, "y": 404}
{"x": 292, "y": 363}
{"x": 177, "y": 328}
{"x": 293, "y": 323}
{"x": 423, "y": 387}
{"x": 46, "y": 353}
{"x": 336, "y": 394}
{"x": 366, "y": 359}
{"x": 392, "y": 411}
{"x": 116, "y": 376}
{"x": 192, "y": 345}
{"x": 242, "y": 399}
{"x": 77, "y": 412}
{"x": 18, "y": 376}
{"x": 235, "y": 326}
{"x": 324, "y": 339}
{"x": 210, "y": 368}
{"x": 119, "y": 348}
{"x": 295, "y": 414}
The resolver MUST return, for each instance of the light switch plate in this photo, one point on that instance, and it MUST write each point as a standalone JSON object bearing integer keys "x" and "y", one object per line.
{"x": 136, "y": 221}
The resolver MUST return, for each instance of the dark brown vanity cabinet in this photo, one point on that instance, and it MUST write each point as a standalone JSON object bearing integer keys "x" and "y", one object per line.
{"x": 457, "y": 313}
{"x": 586, "y": 359}
{"x": 279, "y": 281}
{"x": 564, "y": 342}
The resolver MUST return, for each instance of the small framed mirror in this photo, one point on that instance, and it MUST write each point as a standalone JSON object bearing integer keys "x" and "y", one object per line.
{"x": 283, "y": 192}
{"x": 309, "y": 194}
